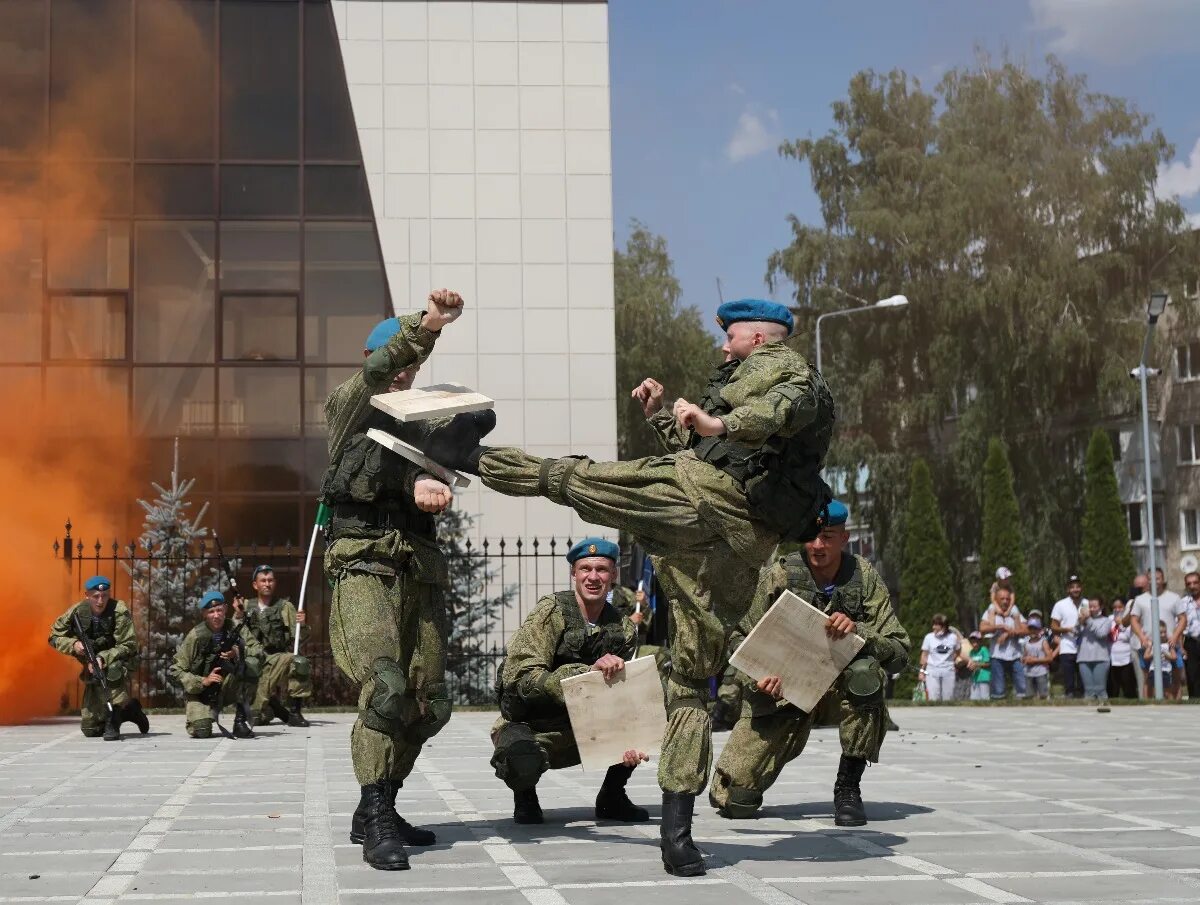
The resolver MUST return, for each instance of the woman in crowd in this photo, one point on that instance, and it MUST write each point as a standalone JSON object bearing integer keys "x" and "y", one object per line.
{"x": 938, "y": 653}
{"x": 1095, "y": 650}
{"x": 1122, "y": 680}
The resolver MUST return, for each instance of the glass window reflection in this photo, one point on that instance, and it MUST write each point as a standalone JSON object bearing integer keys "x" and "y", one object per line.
{"x": 269, "y": 521}
{"x": 174, "y": 402}
{"x": 260, "y": 191}
{"x": 345, "y": 294}
{"x": 87, "y": 255}
{"x": 21, "y": 298}
{"x": 174, "y": 88}
{"x": 259, "y": 402}
{"x": 22, "y": 79}
{"x": 258, "y": 327}
{"x": 90, "y": 401}
{"x": 260, "y": 256}
{"x": 87, "y": 327}
{"x": 90, "y": 59}
{"x": 173, "y": 279}
{"x": 260, "y": 465}
{"x": 260, "y": 80}
{"x": 318, "y": 384}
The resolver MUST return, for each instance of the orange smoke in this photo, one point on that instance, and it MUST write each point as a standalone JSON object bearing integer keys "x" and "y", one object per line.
{"x": 66, "y": 450}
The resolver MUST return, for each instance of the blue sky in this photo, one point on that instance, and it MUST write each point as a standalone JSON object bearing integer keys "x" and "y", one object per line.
{"x": 703, "y": 91}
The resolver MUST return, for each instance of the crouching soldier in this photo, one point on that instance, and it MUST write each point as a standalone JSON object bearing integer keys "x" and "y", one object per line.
{"x": 566, "y": 634}
{"x": 217, "y": 664}
{"x": 771, "y": 732}
{"x": 107, "y": 626}
{"x": 272, "y": 621}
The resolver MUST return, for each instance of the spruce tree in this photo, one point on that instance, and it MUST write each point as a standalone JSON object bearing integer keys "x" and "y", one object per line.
{"x": 1002, "y": 544}
{"x": 473, "y": 607}
{"x": 926, "y": 578}
{"x": 170, "y": 569}
{"x": 1107, "y": 560}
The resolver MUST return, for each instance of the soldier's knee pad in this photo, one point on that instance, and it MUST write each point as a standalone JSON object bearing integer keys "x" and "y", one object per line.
{"x": 863, "y": 683}
{"x": 385, "y": 708}
{"x": 201, "y": 729}
{"x": 301, "y": 668}
{"x": 742, "y": 803}
{"x": 436, "y": 716}
{"x": 91, "y": 731}
{"x": 519, "y": 760}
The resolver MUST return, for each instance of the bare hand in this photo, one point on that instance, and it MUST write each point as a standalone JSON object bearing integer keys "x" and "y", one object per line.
{"x": 609, "y": 665}
{"x": 444, "y": 307}
{"x": 430, "y": 494}
{"x": 839, "y": 626}
{"x": 650, "y": 394}
{"x": 636, "y": 618}
{"x": 772, "y": 685}
{"x": 78, "y": 649}
{"x": 691, "y": 416}
{"x": 213, "y": 678}
{"x": 301, "y": 617}
{"x": 231, "y": 654}
{"x": 632, "y": 758}
{"x": 239, "y": 606}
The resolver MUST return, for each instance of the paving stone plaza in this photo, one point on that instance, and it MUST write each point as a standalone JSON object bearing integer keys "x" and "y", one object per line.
{"x": 972, "y": 805}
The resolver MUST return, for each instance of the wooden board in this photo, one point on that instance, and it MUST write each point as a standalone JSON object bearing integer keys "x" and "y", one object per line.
{"x": 610, "y": 718}
{"x": 790, "y": 642}
{"x": 398, "y": 446}
{"x": 439, "y": 401}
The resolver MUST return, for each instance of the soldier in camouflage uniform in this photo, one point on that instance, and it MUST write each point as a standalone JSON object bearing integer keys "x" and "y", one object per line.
{"x": 217, "y": 664}
{"x": 566, "y": 634}
{"x": 632, "y": 605}
{"x": 772, "y": 732}
{"x": 109, "y": 627}
{"x": 388, "y": 620}
{"x": 743, "y": 473}
{"x": 272, "y": 621}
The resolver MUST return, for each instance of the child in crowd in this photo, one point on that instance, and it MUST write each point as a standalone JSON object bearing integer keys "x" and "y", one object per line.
{"x": 981, "y": 658}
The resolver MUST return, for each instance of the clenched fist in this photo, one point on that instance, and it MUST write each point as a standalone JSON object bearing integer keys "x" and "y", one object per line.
{"x": 444, "y": 306}
{"x": 430, "y": 494}
{"x": 691, "y": 416}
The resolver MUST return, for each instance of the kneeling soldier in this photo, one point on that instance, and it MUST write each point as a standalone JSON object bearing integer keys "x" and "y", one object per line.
{"x": 272, "y": 621}
{"x": 217, "y": 664}
{"x": 108, "y": 626}
{"x": 771, "y": 732}
{"x": 567, "y": 634}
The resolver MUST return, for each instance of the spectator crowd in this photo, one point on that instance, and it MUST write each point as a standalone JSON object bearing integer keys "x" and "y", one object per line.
{"x": 1096, "y": 649}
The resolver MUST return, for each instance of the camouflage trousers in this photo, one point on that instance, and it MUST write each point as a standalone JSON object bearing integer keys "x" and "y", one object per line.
{"x": 93, "y": 711}
{"x": 709, "y": 585}
{"x": 276, "y": 673}
{"x": 390, "y": 617}
{"x": 558, "y": 751}
{"x": 236, "y": 691}
{"x": 769, "y": 736}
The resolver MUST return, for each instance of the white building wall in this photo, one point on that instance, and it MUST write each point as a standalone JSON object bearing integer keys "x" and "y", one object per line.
{"x": 485, "y": 132}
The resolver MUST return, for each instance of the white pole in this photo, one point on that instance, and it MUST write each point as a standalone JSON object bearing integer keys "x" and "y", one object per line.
{"x": 1156, "y": 650}
{"x": 312, "y": 545}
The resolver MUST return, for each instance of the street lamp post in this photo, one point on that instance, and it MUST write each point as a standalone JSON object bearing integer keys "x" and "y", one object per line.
{"x": 1154, "y": 309}
{"x": 895, "y": 301}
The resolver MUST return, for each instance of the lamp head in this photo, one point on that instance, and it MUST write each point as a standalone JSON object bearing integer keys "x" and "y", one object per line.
{"x": 1156, "y": 306}
{"x": 894, "y": 301}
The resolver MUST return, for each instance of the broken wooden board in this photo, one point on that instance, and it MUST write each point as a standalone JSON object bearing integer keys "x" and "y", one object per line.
{"x": 609, "y": 718}
{"x": 439, "y": 401}
{"x": 790, "y": 642}
{"x": 395, "y": 444}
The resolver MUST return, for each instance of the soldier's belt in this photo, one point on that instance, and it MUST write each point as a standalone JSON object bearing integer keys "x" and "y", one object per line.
{"x": 359, "y": 516}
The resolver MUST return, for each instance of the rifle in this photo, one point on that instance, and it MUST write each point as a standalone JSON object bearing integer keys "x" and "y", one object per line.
{"x": 89, "y": 658}
{"x": 211, "y": 695}
{"x": 229, "y": 574}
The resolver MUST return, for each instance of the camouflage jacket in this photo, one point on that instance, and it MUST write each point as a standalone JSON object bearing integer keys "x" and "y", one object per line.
{"x": 274, "y": 626}
{"x": 859, "y": 592}
{"x": 195, "y": 654}
{"x": 111, "y": 633}
{"x": 625, "y": 601}
{"x": 773, "y": 393}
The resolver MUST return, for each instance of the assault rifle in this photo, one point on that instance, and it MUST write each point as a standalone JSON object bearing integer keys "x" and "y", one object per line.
{"x": 231, "y": 638}
{"x": 90, "y": 658}
{"x": 228, "y": 569}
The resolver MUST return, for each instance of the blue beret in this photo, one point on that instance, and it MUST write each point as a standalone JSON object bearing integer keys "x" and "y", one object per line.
{"x": 836, "y": 514}
{"x": 258, "y": 570}
{"x": 594, "y": 546}
{"x": 754, "y": 310}
{"x": 384, "y": 330}
{"x": 210, "y": 598}
{"x": 97, "y": 583}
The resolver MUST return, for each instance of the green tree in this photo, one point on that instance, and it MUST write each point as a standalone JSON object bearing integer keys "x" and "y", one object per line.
{"x": 1107, "y": 559}
{"x": 926, "y": 578}
{"x": 656, "y": 337}
{"x": 1017, "y": 212}
{"x": 1002, "y": 543}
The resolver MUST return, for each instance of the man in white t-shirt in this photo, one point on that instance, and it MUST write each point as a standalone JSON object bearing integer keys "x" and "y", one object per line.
{"x": 1064, "y": 621}
{"x": 1172, "y": 614}
{"x": 1003, "y": 621}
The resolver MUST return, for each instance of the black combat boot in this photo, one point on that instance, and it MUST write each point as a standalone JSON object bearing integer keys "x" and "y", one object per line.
{"x": 241, "y": 727}
{"x": 295, "y": 718}
{"x": 278, "y": 711}
{"x": 412, "y": 835}
{"x": 847, "y": 799}
{"x": 382, "y": 842}
{"x": 457, "y": 444}
{"x": 679, "y": 854}
{"x": 112, "y": 728}
{"x": 526, "y": 807}
{"x": 133, "y": 713}
{"x": 612, "y": 803}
